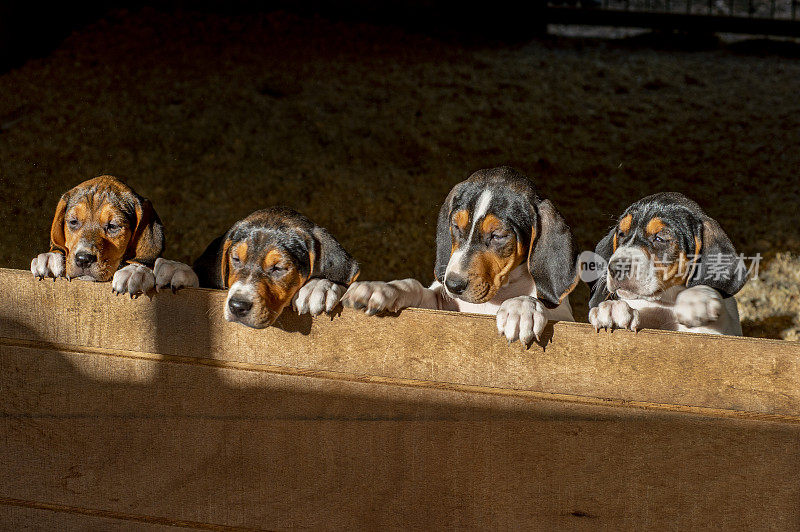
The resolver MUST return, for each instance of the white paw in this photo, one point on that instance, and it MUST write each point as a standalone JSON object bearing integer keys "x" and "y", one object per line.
{"x": 521, "y": 318}
{"x": 613, "y": 314}
{"x": 316, "y": 296}
{"x": 173, "y": 274}
{"x": 698, "y": 306}
{"x": 133, "y": 279}
{"x": 373, "y": 297}
{"x": 48, "y": 265}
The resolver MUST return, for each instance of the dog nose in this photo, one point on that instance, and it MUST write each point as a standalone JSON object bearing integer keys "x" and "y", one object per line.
{"x": 84, "y": 259}
{"x": 240, "y": 307}
{"x": 455, "y": 284}
{"x": 626, "y": 273}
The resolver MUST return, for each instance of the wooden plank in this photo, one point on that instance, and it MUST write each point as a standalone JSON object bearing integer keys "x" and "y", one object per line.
{"x": 160, "y": 413}
{"x": 652, "y": 368}
{"x": 258, "y": 449}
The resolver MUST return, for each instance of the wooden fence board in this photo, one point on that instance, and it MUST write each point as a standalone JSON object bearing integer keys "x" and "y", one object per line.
{"x": 162, "y": 414}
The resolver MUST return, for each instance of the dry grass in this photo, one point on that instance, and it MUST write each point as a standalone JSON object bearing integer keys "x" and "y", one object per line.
{"x": 769, "y": 305}
{"x": 365, "y": 129}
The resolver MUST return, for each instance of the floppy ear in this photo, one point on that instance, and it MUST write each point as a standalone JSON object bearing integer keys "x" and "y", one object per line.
{"x": 598, "y": 291}
{"x": 330, "y": 260}
{"x": 224, "y": 262}
{"x": 208, "y": 267}
{"x": 719, "y": 266}
{"x": 58, "y": 239}
{"x": 147, "y": 241}
{"x": 552, "y": 258}
{"x": 444, "y": 240}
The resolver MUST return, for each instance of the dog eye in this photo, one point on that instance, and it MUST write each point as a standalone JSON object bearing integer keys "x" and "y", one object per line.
{"x": 234, "y": 259}
{"x": 499, "y": 238}
{"x": 73, "y": 223}
{"x": 112, "y": 228}
{"x": 277, "y": 269}
{"x": 658, "y": 238}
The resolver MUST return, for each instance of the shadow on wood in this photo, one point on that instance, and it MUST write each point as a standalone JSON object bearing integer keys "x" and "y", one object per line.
{"x": 122, "y": 412}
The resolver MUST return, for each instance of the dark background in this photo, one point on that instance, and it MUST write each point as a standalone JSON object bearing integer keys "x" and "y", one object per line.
{"x": 363, "y": 118}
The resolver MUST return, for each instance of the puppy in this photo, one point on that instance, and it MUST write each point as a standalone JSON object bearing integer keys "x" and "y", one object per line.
{"x": 500, "y": 249}
{"x": 668, "y": 266}
{"x": 273, "y": 257}
{"x": 103, "y": 230}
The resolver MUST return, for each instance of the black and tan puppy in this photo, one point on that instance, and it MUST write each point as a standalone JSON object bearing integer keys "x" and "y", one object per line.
{"x": 104, "y": 231}
{"x": 271, "y": 258}
{"x": 501, "y": 249}
{"x": 669, "y": 266}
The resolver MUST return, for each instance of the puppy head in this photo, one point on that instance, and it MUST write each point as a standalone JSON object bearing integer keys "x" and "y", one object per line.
{"x": 268, "y": 256}
{"x": 102, "y": 223}
{"x": 666, "y": 240}
{"x": 490, "y": 224}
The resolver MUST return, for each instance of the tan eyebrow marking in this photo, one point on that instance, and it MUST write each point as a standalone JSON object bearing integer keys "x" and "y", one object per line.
{"x": 491, "y": 223}
{"x": 654, "y": 226}
{"x": 241, "y": 251}
{"x": 80, "y": 210}
{"x": 107, "y": 212}
{"x": 461, "y": 219}
{"x": 625, "y": 223}
{"x": 272, "y": 258}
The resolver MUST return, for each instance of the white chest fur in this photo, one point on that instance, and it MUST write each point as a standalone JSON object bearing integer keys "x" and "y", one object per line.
{"x": 520, "y": 283}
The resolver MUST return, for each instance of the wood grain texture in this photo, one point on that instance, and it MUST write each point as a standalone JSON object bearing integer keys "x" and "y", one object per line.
{"x": 659, "y": 367}
{"x": 160, "y": 413}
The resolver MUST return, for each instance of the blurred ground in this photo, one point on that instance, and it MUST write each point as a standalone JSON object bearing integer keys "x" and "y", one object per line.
{"x": 770, "y": 303}
{"x": 366, "y": 128}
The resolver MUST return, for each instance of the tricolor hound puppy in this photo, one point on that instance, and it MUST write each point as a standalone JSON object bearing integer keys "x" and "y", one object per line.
{"x": 273, "y": 257}
{"x": 500, "y": 249}
{"x": 103, "y": 230}
{"x": 668, "y": 266}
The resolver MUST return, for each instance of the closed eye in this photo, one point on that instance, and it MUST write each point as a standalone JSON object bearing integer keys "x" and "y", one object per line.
{"x": 278, "y": 270}
{"x": 499, "y": 238}
{"x": 113, "y": 228}
{"x": 456, "y": 228}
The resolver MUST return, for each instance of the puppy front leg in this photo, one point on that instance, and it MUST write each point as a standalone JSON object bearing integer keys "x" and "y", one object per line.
{"x": 521, "y": 318}
{"x": 614, "y": 314}
{"x": 702, "y": 309}
{"x": 318, "y": 295}
{"x": 50, "y": 264}
{"x": 378, "y": 296}
{"x": 134, "y": 279}
{"x": 174, "y": 275}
